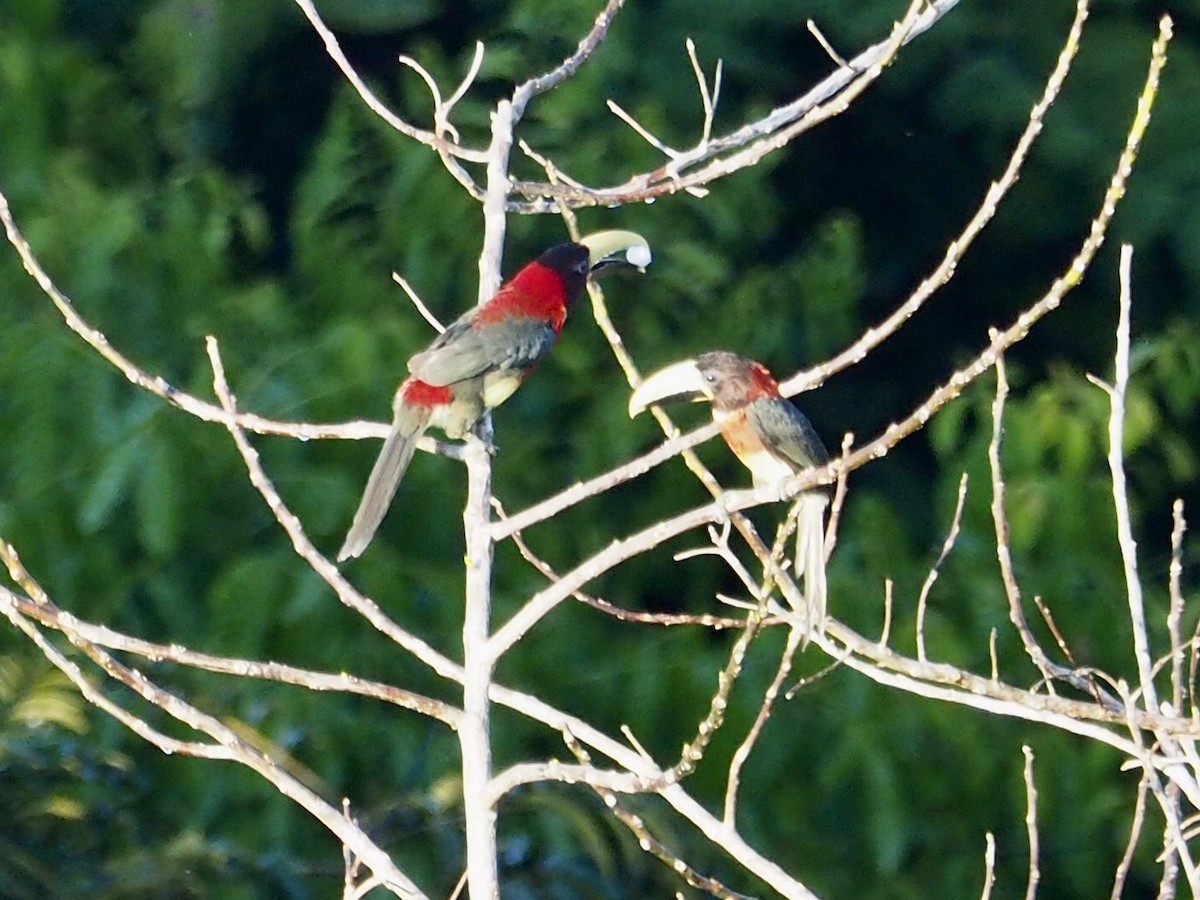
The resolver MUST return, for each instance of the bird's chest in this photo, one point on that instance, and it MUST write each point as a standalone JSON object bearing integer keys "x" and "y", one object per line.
{"x": 766, "y": 467}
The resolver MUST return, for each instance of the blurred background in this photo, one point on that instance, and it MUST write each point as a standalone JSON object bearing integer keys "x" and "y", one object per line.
{"x": 193, "y": 167}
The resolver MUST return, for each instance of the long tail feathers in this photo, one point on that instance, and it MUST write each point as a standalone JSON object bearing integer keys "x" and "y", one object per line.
{"x": 398, "y": 448}
{"x": 810, "y": 560}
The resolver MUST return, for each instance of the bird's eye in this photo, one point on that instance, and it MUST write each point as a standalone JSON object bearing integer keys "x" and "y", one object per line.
{"x": 710, "y": 377}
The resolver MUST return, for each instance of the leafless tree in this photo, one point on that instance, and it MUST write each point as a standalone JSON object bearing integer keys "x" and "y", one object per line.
{"x": 1154, "y": 733}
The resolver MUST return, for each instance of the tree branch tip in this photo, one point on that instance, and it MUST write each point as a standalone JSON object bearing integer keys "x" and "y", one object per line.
{"x": 826, "y": 46}
{"x": 735, "y": 602}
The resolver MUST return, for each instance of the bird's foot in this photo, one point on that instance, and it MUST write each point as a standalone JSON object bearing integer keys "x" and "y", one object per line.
{"x": 476, "y": 440}
{"x": 486, "y": 435}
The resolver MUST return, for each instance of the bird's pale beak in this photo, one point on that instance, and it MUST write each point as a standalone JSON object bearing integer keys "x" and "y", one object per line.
{"x": 681, "y": 379}
{"x": 603, "y": 247}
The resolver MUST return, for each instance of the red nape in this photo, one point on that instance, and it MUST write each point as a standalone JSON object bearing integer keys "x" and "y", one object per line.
{"x": 418, "y": 393}
{"x": 764, "y": 384}
{"x": 536, "y": 292}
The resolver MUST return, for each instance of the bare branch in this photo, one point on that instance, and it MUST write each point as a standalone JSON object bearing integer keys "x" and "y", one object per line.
{"x": 708, "y": 102}
{"x": 304, "y": 548}
{"x": 947, "y": 546}
{"x": 886, "y": 631}
{"x": 750, "y": 143}
{"x": 428, "y": 138}
{"x": 958, "y": 247}
{"x": 795, "y": 637}
{"x": 424, "y": 310}
{"x": 1031, "y": 826}
{"x": 225, "y": 742}
{"x": 1116, "y": 465}
{"x": 839, "y": 499}
{"x": 569, "y": 66}
{"x": 989, "y": 866}
{"x": 1003, "y": 554}
{"x": 826, "y": 46}
{"x": 1175, "y": 615}
{"x": 553, "y": 770}
{"x": 717, "y": 623}
{"x": 46, "y": 613}
{"x": 1135, "y": 832}
{"x": 1174, "y": 840}
{"x": 648, "y": 842}
{"x": 1054, "y": 630}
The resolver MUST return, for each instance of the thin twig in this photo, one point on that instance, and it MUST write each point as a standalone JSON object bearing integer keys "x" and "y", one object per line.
{"x": 1031, "y": 826}
{"x": 958, "y": 247}
{"x": 225, "y": 744}
{"x": 748, "y": 144}
{"x": 648, "y": 842}
{"x": 886, "y": 631}
{"x": 934, "y": 570}
{"x": 76, "y": 629}
{"x": 1048, "y": 618}
{"x": 1000, "y": 520}
{"x": 429, "y": 138}
{"x": 837, "y": 58}
{"x": 839, "y": 499}
{"x": 706, "y": 620}
{"x": 1175, "y": 615}
{"x": 1135, "y": 832}
{"x": 1120, "y": 492}
{"x": 424, "y": 310}
{"x": 742, "y": 754}
{"x": 569, "y": 66}
{"x": 989, "y": 866}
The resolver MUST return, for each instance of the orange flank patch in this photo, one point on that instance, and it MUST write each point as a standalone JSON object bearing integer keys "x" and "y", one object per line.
{"x": 766, "y": 466}
{"x": 418, "y": 393}
{"x": 742, "y": 439}
{"x": 536, "y": 292}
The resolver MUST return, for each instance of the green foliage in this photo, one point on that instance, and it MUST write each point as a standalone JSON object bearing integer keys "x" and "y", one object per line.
{"x": 194, "y": 168}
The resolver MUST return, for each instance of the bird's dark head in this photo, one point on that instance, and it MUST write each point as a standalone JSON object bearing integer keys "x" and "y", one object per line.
{"x": 571, "y": 263}
{"x": 596, "y": 253}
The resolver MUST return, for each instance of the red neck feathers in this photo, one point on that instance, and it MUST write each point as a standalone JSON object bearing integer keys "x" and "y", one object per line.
{"x": 535, "y": 292}
{"x": 761, "y": 382}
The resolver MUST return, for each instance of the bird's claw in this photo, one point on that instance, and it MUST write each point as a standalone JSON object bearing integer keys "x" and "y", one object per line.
{"x": 485, "y": 442}
{"x": 486, "y": 435}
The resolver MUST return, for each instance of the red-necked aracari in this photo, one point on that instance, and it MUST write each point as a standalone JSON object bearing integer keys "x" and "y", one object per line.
{"x": 770, "y": 436}
{"x": 482, "y": 357}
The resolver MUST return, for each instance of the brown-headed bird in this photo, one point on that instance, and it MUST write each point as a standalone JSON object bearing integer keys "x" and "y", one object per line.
{"x": 770, "y": 436}
{"x": 481, "y": 358}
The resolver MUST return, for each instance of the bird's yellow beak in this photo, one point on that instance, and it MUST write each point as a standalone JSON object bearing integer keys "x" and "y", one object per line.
{"x": 603, "y": 246}
{"x": 680, "y": 379}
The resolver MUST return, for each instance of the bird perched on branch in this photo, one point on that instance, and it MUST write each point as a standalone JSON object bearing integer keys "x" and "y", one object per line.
{"x": 482, "y": 357}
{"x": 770, "y": 436}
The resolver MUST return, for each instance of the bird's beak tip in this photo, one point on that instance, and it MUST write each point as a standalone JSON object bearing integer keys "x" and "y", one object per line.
{"x": 603, "y": 245}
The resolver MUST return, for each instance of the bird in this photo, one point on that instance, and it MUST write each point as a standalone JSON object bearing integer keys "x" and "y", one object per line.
{"x": 481, "y": 358}
{"x": 768, "y": 434}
